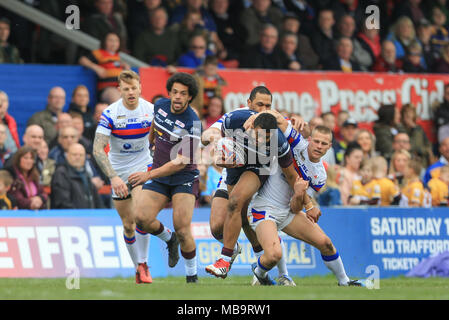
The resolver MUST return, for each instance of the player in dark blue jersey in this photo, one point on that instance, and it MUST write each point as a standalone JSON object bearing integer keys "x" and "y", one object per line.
{"x": 176, "y": 134}
{"x": 244, "y": 182}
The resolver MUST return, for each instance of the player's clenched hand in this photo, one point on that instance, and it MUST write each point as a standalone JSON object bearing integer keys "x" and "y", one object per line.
{"x": 313, "y": 214}
{"x": 138, "y": 178}
{"x": 300, "y": 186}
{"x": 120, "y": 188}
{"x": 298, "y": 122}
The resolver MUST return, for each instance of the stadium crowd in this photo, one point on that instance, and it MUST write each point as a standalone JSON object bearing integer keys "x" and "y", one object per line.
{"x": 393, "y": 164}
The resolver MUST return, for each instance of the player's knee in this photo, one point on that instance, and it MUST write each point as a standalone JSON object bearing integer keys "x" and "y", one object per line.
{"x": 273, "y": 254}
{"x": 129, "y": 228}
{"x": 235, "y": 203}
{"x": 326, "y": 247}
{"x": 216, "y": 228}
{"x": 183, "y": 234}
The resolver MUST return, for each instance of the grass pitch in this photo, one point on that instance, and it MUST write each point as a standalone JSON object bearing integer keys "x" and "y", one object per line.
{"x": 233, "y": 288}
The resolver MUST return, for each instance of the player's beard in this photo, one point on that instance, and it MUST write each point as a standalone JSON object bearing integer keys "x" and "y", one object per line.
{"x": 179, "y": 108}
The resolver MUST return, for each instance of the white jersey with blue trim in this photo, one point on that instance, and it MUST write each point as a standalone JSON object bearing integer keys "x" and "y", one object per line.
{"x": 128, "y": 131}
{"x": 277, "y": 190}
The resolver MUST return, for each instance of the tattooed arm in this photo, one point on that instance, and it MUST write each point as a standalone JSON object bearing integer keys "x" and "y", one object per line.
{"x": 117, "y": 184}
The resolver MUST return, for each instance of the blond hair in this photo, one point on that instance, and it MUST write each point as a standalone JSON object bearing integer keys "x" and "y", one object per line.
{"x": 379, "y": 166}
{"x": 127, "y": 76}
{"x": 6, "y": 177}
{"x": 392, "y": 170}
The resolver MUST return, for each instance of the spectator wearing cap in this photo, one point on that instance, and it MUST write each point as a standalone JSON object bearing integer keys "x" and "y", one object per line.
{"x": 387, "y": 61}
{"x": 413, "y": 61}
{"x": 385, "y": 128}
{"x": 348, "y": 134}
{"x": 8, "y": 52}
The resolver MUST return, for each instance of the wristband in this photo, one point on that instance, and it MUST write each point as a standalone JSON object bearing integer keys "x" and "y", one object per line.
{"x": 310, "y": 208}
{"x": 288, "y": 130}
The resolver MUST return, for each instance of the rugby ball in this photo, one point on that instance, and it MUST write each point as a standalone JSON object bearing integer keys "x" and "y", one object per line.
{"x": 229, "y": 152}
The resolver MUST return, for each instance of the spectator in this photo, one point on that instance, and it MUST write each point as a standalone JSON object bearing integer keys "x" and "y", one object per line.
{"x": 387, "y": 61}
{"x": 330, "y": 195}
{"x": 420, "y": 144}
{"x": 441, "y": 112}
{"x": 367, "y": 142}
{"x": 5, "y": 153}
{"x": 158, "y": 45}
{"x": 362, "y": 190}
{"x": 403, "y": 33}
{"x": 48, "y": 117}
{"x": 398, "y": 163}
{"x": 346, "y": 27}
{"x": 80, "y": 105}
{"x": 209, "y": 82}
{"x": 439, "y": 188}
{"x": 192, "y": 25}
{"x": 138, "y": 17}
{"x": 385, "y": 128}
{"x": 352, "y": 160}
{"x": 369, "y": 40}
{"x": 440, "y": 34}
{"x": 71, "y": 184}
{"x": 67, "y": 136}
{"x": 409, "y": 8}
{"x": 78, "y": 124}
{"x": 304, "y": 51}
{"x": 401, "y": 141}
{"x": 64, "y": 120}
{"x": 26, "y": 188}
{"x": 342, "y": 116}
{"x": 48, "y": 167}
{"x": 315, "y": 121}
{"x": 7, "y": 201}
{"x": 413, "y": 59}
{"x": 229, "y": 29}
{"x": 105, "y": 62}
{"x": 12, "y": 136}
{"x": 289, "y": 46}
{"x": 265, "y": 54}
{"x": 413, "y": 193}
{"x": 323, "y": 37}
{"x": 256, "y": 16}
{"x": 215, "y": 110}
{"x": 384, "y": 190}
{"x": 352, "y": 8}
{"x": 348, "y": 133}
{"x": 33, "y": 137}
{"x": 106, "y": 21}
{"x": 109, "y": 95}
{"x": 433, "y": 171}
{"x": 99, "y": 108}
{"x": 179, "y": 13}
{"x": 303, "y": 11}
{"x": 8, "y": 52}
{"x": 424, "y": 31}
{"x": 343, "y": 61}
{"x": 442, "y": 64}
{"x": 198, "y": 52}
{"x": 330, "y": 122}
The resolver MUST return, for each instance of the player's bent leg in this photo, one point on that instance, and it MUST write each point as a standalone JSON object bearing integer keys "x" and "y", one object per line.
{"x": 267, "y": 235}
{"x": 217, "y": 217}
{"x": 183, "y": 206}
{"x": 303, "y": 229}
{"x": 147, "y": 207}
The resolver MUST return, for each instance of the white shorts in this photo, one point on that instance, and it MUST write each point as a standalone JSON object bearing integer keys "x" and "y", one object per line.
{"x": 260, "y": 209}
{"x": 222, "y": 182}
{"x": 124, "y": 174}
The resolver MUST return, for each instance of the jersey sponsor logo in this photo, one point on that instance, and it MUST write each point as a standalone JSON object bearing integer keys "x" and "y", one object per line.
{"x": 179, "y": 123}
{"x": 133, "y": 120}
{"x": 168, "y": 121}
{"x": 127, "y": 146}
{"x": 162, "y": 112}
{"x": 120, "y": 124}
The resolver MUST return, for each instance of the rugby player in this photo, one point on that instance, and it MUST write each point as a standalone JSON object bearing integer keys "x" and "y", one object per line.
{"x": 176, "y": 134}
{"x": 277, "y": 206}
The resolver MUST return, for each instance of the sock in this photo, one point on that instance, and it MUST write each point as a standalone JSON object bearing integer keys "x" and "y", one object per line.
{"x": 236, "y": 247}
{"x": 132, "y": 249}
{"x": 226, "y": 254}
{"x": 163, "y": 233}
{"x": 261, "y": 270}
{"x": 282, "y": 264}
{"x": 335, "y": 264}
{"x": 143, "y": 244}
{"x": 190, "y": 262}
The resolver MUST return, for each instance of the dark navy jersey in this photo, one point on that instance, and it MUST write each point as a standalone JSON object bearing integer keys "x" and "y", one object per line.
{"x": 255, "y": 155}
{"x": 176, "y": 134}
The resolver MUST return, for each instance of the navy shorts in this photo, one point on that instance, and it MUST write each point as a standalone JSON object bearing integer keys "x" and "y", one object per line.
{"x": 233, "y": 174}
{"x": 167, "y": 190}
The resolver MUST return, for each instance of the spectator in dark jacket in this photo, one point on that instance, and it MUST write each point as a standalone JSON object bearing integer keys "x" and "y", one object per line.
{"x": 80, "y": 104}
{"x": 266, "y": 54}
{"x": 385, "y": 128}
{"x": 71, "y": 185}
{"x": 387, "y": 61}
{"x": 323, "y": 37}
{"x": 342, "y": 61}
{"x": 413, "y": 59}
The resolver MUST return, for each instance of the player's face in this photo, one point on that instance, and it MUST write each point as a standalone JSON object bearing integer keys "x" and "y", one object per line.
{"x": 130, "y": 92}
{"x": 180, "y": 98}
{"x": 261, "y": 102}
{"x": 319, "y": 143}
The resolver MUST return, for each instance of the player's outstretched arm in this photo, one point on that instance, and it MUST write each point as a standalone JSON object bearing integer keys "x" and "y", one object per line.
{"x": 117, "y": 184}
{"x": 210, "y": 135}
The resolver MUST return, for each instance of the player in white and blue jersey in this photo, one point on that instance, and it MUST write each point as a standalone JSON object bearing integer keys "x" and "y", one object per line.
{"x": 125, "y": 127}
{"x": 272, "y": 209}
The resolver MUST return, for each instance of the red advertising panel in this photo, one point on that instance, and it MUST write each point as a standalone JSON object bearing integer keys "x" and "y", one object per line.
{"x": 311, "y": 93}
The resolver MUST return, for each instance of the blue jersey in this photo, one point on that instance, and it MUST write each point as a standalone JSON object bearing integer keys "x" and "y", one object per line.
{"x": 176, "y": 134}
{"x": 233, "y": 127}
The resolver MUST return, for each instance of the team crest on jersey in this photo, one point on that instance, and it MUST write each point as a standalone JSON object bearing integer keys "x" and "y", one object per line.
{"x": 162, "y": 112}
{"x": 146, "y": 124}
